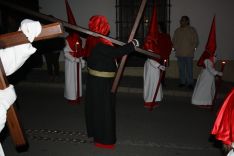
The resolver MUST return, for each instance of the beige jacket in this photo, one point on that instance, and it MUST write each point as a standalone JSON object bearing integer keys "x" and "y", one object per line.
{"x": 185, "y": 40}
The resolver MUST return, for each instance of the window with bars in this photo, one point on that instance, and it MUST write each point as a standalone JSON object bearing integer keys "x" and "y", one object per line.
{"x": 126, "y": 12}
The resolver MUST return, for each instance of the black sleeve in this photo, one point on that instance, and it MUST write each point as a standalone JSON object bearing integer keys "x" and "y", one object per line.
{"x": 113, "y": 52}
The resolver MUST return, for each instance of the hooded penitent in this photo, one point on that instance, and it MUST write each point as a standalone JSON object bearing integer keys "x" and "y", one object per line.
{"x": 151, "y": 40}
{"x": 73, "y": 73}
{"x": 98, "y": 24}
{"x": 210, "y": 45}
{"x": 223, "y": 128}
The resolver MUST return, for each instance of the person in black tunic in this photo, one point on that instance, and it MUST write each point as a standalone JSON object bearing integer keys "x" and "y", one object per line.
{"x": 100, "y": 102}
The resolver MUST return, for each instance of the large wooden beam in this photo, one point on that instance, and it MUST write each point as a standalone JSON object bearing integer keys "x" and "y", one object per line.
{"x": 12, "y": 39}
{"x": 124, "y": 58}
{"x": 70, "y": 26}
{"x": 13, "y": 122}
{"x": 16, "y": 38}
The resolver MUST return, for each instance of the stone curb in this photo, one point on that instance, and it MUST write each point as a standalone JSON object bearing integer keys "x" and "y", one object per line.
{"x": 166, "y": 92}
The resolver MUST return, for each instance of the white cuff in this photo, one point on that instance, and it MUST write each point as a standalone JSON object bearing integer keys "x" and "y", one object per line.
{"x": 1, "y": 151}
{"x": 7, "y": 97}
{"x": 14, "y": 57}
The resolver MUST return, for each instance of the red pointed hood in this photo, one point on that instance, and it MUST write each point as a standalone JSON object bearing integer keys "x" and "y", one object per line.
{"x": 151, "y": 40}
{"x": 73, "y": 38}
{"x": 210, "y": 45}
{"x": 70, "y": 16}
{"x": 153, "y": 29}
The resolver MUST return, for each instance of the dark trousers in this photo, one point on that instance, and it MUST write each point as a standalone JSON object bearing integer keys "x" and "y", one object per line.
{"x": 52, "y": 63}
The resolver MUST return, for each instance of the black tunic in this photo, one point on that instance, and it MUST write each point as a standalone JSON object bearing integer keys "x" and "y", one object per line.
{"x": 100, "y": 102}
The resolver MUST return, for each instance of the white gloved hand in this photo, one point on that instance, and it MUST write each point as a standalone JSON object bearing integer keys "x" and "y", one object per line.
{"x": 220, "y": 73}
{"x": 7, "y": 97}
{"x": 161, "y": 67}
{"x": 30, "y": 28}
{"x": 135, "y": 42}
{"x": 231, "y": 153}
{"x": 83, "y": 63}
{"x": 76, "y": 59}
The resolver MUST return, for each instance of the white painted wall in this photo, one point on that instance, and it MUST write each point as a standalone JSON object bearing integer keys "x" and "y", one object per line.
{"x": 201, "y": 13}
{"x": 82, "y": 10}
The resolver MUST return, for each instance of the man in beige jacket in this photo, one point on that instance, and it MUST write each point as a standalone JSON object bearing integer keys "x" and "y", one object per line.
{"x": 185, "y": 42}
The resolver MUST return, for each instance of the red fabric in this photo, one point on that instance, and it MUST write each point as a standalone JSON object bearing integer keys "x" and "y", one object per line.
{"x": 203, "y": 57}
{"x": 153, "y": 28}
{"x": 98, "y": 24}
{"x": 162, "y": 46}
{"x": 223, "y": 128}
{"x": 210, "y": 45}
{"x": 151, "y": 44}
{"x": 165, "y": 45}
{"x": 112, "y": 146}
{"x": 159, "y": 43}
{"x": 75, "y": 43}
{"x": 74, "y": 102}
{"x": 151, "y": 104}
{"x": 151, "y": 40}
{"x": 73, "y": 38}
{"x": 70, "y": 16}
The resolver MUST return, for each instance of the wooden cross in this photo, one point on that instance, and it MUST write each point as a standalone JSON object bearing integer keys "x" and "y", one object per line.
{"x": 12, "y": 39}
{"x": 88, "y": 32}
{"x": 124, "y": 58}
{"x": 74, "y": 27}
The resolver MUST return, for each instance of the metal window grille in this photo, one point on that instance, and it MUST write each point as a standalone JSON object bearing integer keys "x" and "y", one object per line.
{"x": 126, "y": 12}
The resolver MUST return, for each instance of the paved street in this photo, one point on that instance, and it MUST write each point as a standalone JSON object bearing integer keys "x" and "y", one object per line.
{"x": 55, "y": 128}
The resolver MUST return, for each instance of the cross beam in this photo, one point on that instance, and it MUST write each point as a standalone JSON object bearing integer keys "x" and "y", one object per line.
{"x": 86, "y": 31}
{"x": 12, "y": 39}
{"x": 12, "y": 118}
{"x": 16, "y": 38}
{"x": 124, "y": 58}
{"x": 70, "y": 26}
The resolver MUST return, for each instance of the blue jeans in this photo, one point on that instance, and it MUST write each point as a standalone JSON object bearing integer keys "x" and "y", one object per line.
{"x": 185, "y": 65}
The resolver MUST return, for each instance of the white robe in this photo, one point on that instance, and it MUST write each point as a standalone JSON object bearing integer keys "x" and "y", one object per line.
{"x": 12, "y": 59}
{"x": 204, "y": 90}
{"x": 231, "y": 152}
{"x": 151, "y": 78}
{"x": 71, "y": 77}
